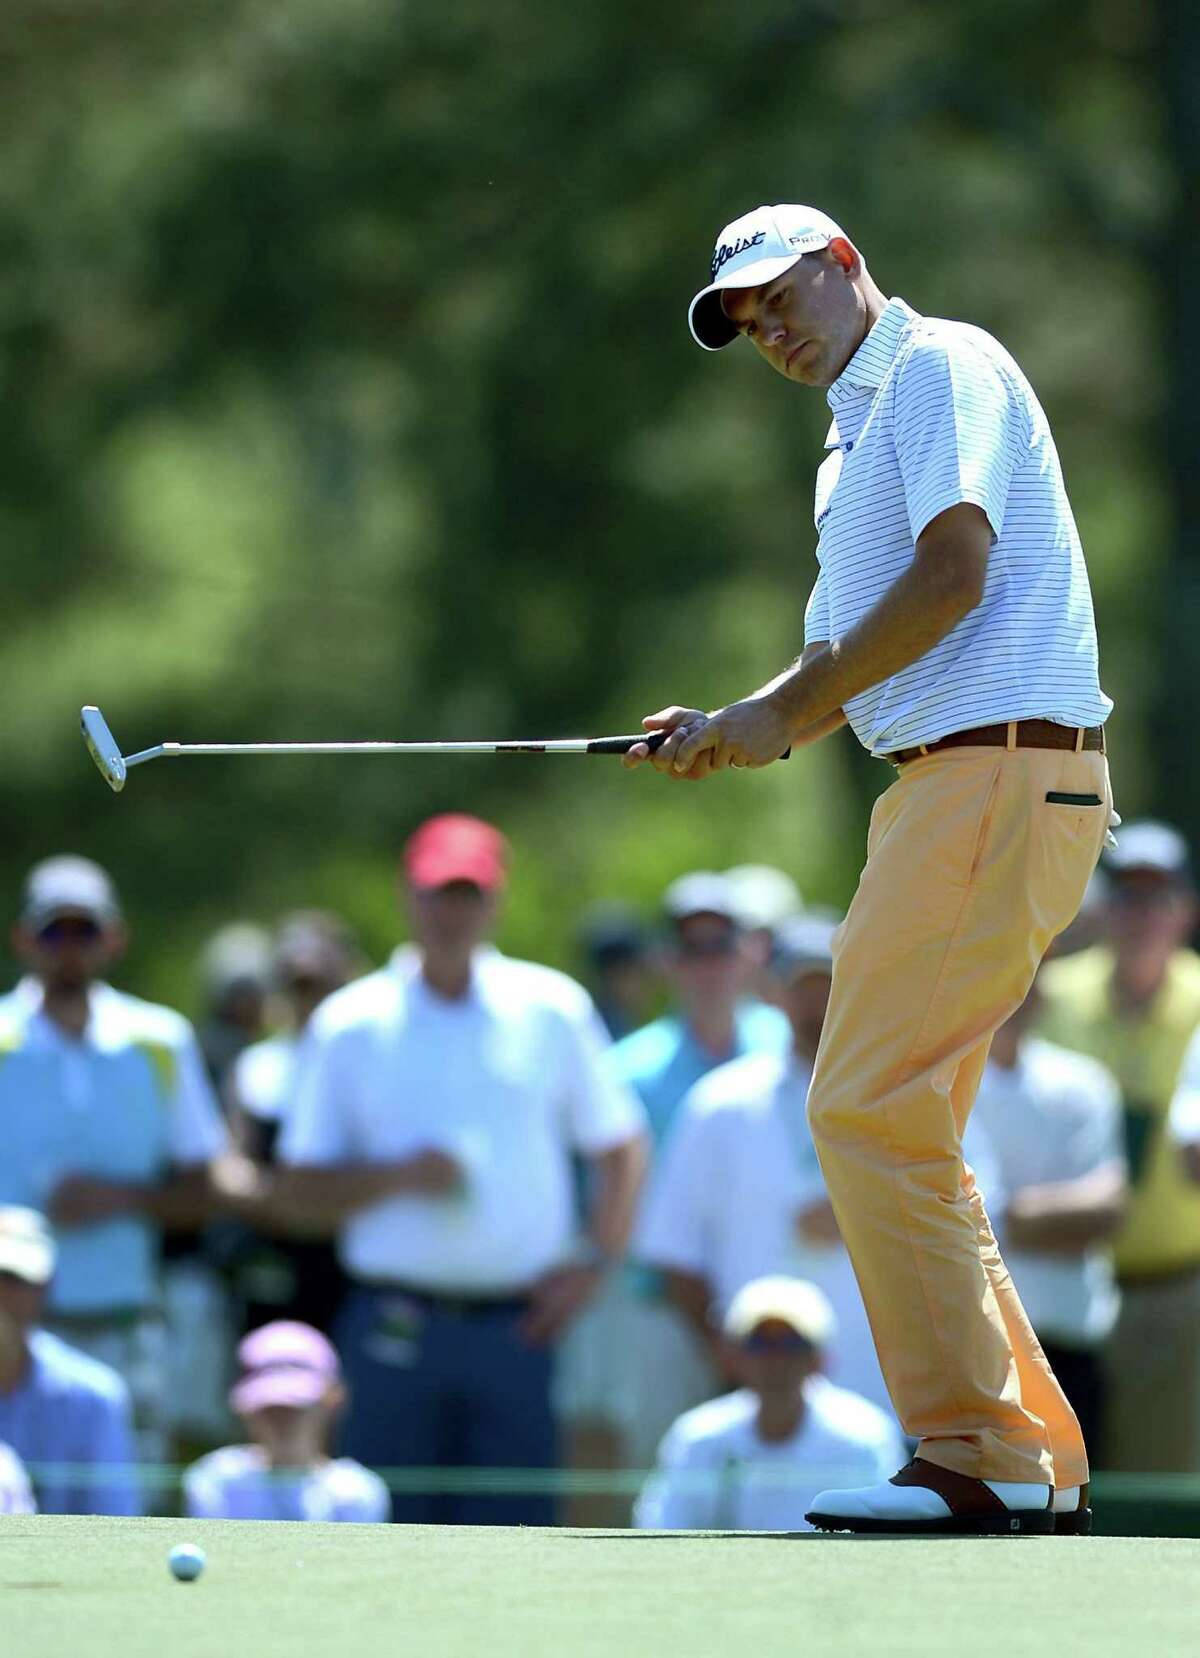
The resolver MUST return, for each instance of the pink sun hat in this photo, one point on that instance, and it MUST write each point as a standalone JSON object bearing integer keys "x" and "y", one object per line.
{"x": 284, "y": 1363}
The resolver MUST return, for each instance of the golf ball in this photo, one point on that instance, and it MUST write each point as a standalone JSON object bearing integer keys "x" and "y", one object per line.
{"x": 186, "y": 1561}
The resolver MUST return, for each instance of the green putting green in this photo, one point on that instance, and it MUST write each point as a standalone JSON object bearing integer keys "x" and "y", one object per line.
{"x": 96, "y": 1588}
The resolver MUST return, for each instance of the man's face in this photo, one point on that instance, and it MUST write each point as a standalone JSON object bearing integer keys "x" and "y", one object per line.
{"x": 68, "y": 951}
{"x": 1149, "y": 913}
{"x": 774, "y": 1360}
{"x": 707, "y": 956}
{"x": 451, "y": 919}
{"x": 804, "y": 998}
{"x": 20, "y": 1302}
{"x": 810, "y": 321}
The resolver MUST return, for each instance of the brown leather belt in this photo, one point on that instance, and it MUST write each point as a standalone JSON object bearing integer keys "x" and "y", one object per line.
{"x": 1028, "y": 734}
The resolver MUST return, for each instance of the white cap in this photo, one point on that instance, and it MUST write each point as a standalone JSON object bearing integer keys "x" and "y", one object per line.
{"x": 754, "y": 249}
{"x": 792, "y": 1301}
{"x": 26, "y": 1245}
{"x": 764, "y": 895}
{"x": 703, "y": 892}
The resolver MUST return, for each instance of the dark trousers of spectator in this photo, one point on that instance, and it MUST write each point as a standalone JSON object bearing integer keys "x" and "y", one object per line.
{"x": 1080, "y": 1372}
{"x": 441, "y": 1382}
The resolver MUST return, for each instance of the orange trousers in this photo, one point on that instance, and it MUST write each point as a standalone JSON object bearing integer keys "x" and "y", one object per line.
{"x": 971, "y": 871}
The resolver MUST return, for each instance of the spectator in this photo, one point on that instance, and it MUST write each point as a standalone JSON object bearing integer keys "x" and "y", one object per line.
{"x": 630, "y": 1364}
{"x": 438, "y": 1107}
{"x": 1053, "y": 1118}
{"x": 616, "y": 954}
{"x": 278, "y": 1272}
{"x": 288, "y": 1397}
{"x": 109, "y": 1127}
{"x": 763, "y": 898}
{"x": 739, "y": 1192}
{"x": 64, "y": 1414}
{"x": 755, "y": 1459}
{"x": 16, "y": 1493}
{"x": 1133, "y": 1003}
{"x": 235, "y": 972}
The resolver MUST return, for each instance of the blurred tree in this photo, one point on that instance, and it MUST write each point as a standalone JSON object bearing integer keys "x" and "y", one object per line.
{"x": 346, "y": 392}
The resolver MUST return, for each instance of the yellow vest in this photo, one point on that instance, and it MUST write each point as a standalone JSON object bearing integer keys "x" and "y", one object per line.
{"x": 1144, "y": 1051}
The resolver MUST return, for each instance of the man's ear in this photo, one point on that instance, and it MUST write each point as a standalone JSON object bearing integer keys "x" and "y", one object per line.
{"x": 846, "y": 255}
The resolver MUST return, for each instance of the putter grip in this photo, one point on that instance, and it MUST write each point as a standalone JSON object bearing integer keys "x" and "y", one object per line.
{"x": 653, "y": 740}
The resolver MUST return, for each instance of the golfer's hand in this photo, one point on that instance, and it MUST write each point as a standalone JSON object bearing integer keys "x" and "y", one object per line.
{"x": 751, "y": 733}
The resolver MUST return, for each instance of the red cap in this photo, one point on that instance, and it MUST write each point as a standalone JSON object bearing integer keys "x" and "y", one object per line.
{"x": 455, "y": 847}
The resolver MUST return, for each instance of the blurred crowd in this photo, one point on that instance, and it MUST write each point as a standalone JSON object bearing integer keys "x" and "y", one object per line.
{"x": 377, "y": 1242}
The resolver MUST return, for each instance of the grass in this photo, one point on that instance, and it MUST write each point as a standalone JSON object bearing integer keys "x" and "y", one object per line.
{"x": 97, "y": 1588}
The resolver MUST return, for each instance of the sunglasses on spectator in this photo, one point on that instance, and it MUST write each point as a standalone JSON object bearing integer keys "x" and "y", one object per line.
{"x": 695, "y": 949}
{"x": 307, "y": 984}
{"x": 793, "y": 1343}
{"x": 74, "y": 928}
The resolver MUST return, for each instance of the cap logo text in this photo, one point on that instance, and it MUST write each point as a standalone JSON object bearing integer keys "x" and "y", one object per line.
{"x": 730, "y": 250}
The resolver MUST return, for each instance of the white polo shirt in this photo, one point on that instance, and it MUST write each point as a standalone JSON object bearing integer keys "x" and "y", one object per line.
{"x": 509, "y": 1080}
{"x": 927, "y": 414}
{"x": 715, "y": 1473}
{"x": 1056, "y": 1115}
{"x": 127, "y": 1100}
{"x": 738, "y": 1167}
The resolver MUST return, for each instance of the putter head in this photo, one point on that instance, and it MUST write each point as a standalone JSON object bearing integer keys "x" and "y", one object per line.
{"x": 102, "y": 746}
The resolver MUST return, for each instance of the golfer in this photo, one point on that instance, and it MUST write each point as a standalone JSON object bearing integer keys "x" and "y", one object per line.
{"x": 951, "y": 626}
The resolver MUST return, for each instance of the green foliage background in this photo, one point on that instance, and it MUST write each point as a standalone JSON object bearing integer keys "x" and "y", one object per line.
{"x": 345, "y": 392}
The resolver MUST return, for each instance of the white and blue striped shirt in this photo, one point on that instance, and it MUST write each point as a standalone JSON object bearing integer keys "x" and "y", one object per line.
{"x": 929, "y": 413}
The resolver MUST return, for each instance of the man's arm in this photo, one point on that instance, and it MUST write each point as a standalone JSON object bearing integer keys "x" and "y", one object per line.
{"x": 617, "y": 1176}
{"x": 944, "y": 582}
{"x": 328, "y": 1193}
{"x": 183, "y": 1198}
{"x": 1066, "y": 1217}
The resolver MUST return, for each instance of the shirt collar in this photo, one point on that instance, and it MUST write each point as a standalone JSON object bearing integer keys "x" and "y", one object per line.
{"x": 869, "y": 366}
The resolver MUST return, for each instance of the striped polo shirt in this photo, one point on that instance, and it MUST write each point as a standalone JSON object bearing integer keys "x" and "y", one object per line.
{"x": 928, "y": 413}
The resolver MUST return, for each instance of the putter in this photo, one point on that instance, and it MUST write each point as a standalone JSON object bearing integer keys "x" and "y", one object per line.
{"x": 114, "y": 766}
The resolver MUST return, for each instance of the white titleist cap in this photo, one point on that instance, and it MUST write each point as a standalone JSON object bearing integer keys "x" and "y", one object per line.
{"x": 754, "y": 249}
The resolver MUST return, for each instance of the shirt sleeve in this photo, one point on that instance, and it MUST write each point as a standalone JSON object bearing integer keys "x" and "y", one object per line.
{"x": 1183, "y": 1119}
{"x": 680, "y": 1495}
{"x": 197, "y": 1131}
{"x": 816, "y": 614}
{"x": 674, "y": 1229}
{"x": 602, "y": 1111}
{"x": 364, "y": 1499}
{"x": 203, "y": 1492}
{"x": 317, "y": 1127}
{"x": 959, "y": 433}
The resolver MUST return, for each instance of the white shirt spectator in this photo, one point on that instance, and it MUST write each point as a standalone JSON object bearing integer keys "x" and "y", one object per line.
{"x": 16, "y": 1493}
{"x": 264, "y": 1076}
{"x": 509, "y": 1080}
{"x": 126, "y": 1101}
{"x": 1183, "y": 1119}
{"x": 738, "y": 1167}
{"x": 928, "y": 414}
{"x": 1056, "y": 1115}
{"x": 235, "y": 1483}
{"x": 715, "y": 1473}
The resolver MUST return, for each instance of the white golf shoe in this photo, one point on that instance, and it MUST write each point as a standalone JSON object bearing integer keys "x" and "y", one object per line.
{"x": 926, "y": 1499}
